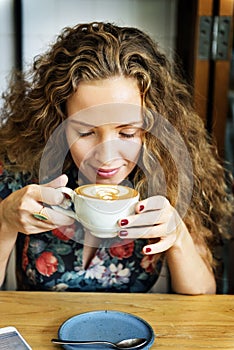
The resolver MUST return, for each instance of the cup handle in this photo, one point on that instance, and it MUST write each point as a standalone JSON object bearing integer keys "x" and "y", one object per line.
{"x": 64, "y": 207}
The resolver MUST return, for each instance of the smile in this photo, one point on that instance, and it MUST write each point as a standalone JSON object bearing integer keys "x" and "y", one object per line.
{"x": 107, "y": 173}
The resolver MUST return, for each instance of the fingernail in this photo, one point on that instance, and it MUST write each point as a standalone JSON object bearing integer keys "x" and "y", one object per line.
{"x": 141, "y": 207}
{"x": 148, "y": 250}
{"x": 66, "y": 195}
{"x": 123, "y": 233}
{"x": 123, "y": 222}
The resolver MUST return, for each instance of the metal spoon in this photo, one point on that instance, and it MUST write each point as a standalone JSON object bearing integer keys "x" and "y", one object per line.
{"x": 132, "y": 343}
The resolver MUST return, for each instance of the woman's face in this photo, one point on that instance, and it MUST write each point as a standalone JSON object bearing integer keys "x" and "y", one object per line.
{"x": 104, "y": 129}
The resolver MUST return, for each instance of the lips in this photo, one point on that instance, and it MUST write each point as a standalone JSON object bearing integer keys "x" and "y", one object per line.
{"x": 106, "y": 173}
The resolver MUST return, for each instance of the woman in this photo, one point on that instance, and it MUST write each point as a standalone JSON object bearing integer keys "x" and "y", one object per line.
{"x": 147, "y": 135}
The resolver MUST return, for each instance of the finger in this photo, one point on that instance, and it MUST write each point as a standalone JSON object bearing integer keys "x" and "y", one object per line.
{"x": 41, "y": 194}
{"x": 29, "y": 224}
{"x": 173, "y": 225}
{"x": 152, "y": 203}
{"x": 161, "y": 246}
{"x": 57, "y": 218}
{"x": 148, "y": 218}
{"x": 143, "y": 232}
{"x": 60, "y": 181}
{"x": 38, "y": 226}
{"x": 50, "y": 220}
{"x": 49, "y": 194}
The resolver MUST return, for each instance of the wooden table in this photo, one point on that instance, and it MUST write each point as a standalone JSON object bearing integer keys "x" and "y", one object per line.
{"x": 179, "y": 322}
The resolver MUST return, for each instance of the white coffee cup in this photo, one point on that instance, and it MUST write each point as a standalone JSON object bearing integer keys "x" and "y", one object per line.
{"x": 99, "y": 207}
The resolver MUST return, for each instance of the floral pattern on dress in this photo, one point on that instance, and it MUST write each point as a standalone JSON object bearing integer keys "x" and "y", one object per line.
{"x": 53, "y": 260}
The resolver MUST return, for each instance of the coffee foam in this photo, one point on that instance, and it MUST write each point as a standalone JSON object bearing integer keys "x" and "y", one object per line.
{"x": 106, "y": 192}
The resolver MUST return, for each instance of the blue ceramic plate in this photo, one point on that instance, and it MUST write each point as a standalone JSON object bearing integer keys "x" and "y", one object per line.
{"x": 112, "y": 326}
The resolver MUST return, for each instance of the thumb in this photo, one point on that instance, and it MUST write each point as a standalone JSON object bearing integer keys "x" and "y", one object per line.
{"x": 60, "y": 181}
{"x": 49, "y": 194}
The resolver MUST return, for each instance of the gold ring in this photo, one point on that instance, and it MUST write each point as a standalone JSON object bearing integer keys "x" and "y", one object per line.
{"x": 40, "y": 216}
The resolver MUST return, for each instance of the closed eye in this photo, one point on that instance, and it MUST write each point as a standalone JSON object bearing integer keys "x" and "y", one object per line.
{"x": 127, "y": 136}
{"x": 85, "y": 134}
{"x": 130, "y": 132}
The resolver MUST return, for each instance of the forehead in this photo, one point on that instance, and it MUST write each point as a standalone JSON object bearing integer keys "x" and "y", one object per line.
{"x": 113, "y": 100}
{"x": 117, "y": 113}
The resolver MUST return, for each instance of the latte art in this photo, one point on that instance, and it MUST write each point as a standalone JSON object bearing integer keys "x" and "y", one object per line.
{"x": 106, "y": 192}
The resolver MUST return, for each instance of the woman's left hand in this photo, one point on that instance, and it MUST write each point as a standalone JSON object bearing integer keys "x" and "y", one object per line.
{"x": 157, "y": 220}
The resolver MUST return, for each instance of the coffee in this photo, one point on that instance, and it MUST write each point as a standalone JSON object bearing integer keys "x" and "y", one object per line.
{"x": 99, "y": 207}
{"x": 106, "y": 192}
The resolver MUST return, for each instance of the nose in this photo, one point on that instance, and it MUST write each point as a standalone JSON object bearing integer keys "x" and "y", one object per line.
{"x": 107, "y": 150}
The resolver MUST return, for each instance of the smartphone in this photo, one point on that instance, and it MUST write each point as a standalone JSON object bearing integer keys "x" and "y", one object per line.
{"x": 11, "y": 339}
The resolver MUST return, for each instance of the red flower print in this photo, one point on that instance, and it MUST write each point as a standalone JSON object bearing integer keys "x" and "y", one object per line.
{"x": 64, "y": 232}
{"x": 1, "y": 168}
{"x": 122, "y": 250}
{"x": 149, "y": 263}
{"x": 47, "y": 264}
{"x": 24, "y": 254}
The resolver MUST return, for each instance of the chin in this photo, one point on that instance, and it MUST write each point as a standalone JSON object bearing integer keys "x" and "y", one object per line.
{"x": 106, "y": 182}
{"x": 110, "y": 181}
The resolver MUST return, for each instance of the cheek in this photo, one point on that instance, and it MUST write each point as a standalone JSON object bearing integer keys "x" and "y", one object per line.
{"x": 78, "y": 153}
{"x": 132, "y": 150}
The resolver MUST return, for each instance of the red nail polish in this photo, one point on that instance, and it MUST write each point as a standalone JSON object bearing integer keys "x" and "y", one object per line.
{"x": 141, "y": 207}
{"x": 66, "y": 195}
{"x": 123, "y": 233}
{"x": 123, "y": 222}
{"x": 148, "y": 250}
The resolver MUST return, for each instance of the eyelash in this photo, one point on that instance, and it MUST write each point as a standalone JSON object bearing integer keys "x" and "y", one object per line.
{"x": 84, "y": 134}
{"x": 127, "y": 136}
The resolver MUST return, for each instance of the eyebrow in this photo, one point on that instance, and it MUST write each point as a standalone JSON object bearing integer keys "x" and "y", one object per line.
{"x": 134, "y": 124}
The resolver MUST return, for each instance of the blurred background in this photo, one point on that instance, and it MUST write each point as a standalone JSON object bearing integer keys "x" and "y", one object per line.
{"x": 197, "y": 34}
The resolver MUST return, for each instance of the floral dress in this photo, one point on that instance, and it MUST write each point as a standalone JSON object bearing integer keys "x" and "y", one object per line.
{"x": 52, "y": 260}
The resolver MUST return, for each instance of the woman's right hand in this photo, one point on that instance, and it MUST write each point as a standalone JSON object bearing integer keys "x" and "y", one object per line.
{"x": 18, "y": 208}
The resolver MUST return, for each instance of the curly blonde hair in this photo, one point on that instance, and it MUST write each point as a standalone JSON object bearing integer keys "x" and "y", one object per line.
{"x": 35, "y": 106}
